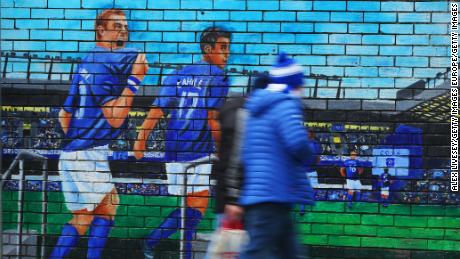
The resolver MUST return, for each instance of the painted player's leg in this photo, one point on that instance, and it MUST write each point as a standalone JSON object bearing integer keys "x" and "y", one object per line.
{"x": 71, "y": 233}
{"x": 350, "y": 198}
{"x": 102, "y": 224}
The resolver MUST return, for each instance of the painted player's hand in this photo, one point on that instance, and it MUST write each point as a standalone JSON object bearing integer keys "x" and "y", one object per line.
{"x": 139, "y": 149}
{"x": 140, "y": 67}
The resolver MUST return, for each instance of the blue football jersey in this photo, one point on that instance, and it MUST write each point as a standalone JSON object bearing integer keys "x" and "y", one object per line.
{"x": 100, "y": 77}
{"x": 185, "y": 97}
{"x": 351, "y": 169}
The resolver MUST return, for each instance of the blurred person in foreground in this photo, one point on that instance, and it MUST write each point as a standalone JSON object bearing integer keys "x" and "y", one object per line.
{"x": 275, "y": 152}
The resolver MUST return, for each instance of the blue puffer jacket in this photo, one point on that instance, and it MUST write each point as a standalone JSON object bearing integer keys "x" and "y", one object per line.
{"x": 275, "y": 151}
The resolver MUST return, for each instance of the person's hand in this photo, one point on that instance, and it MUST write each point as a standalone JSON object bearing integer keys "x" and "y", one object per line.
{"x": 140, "y": 67}
{"x": 233, "y": 212}
{"x": 139, "y": 149}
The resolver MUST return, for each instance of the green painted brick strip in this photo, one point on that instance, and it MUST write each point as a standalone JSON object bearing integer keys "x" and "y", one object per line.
{"x": 344, "y": 241}
{"x": 411, "y": 243}
{"x": 162, "y": 201}
{"x": 304, "y": 228}
{"x": 329, "y": 206}
{"x": 444, "y": 245}
{"x": 396, "y": 209}
{"x": 452, "y": 234}
{"x": 428, "y": 233}
{"x": 452, "y": 210}
{"x": 344, "y": 218}
{"x": 153, "y": 222}
{"x": 378, "y": 242}
{"x": 143, "y": 211}
{"x": 408, "y": 221}
{"x": 393, "y": 232}
{"x": 326, "y": 229}
{"x": 314, "y": 239}
{"x": 381, "y": 220}
{"x": 431, "y": 210}
{"x": 58, "y": 218}
{"x": 363, "y": 207}
{"x": 138, "y": 232}
{"x": 123, "y": 221}
{"x": 444, "y": 222}
{"x": 312, "y": 217}
{"x": 119, "y": 232}
{"x": 360, "y": 230}
{"x": 132, "y": 200}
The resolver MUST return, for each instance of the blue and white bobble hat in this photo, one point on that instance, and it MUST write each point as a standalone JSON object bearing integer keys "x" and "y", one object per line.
{"x": 285, "y": 74}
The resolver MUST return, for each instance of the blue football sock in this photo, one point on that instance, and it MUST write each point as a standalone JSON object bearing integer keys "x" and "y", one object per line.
{"x": 66, "y": 242}
{"x": 192, "y": 220}
{"x": 358, "y": 196}
{"x": 100, "y": 229}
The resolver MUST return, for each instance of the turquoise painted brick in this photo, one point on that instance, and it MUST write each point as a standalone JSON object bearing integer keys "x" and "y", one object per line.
{"x": 363, "y": 28}
{"x": 440, "y": 17}
{"x": 229, "y": 4}
{"x": 264, "y": 27}
{"x": 412, "y": 40}
{"x": 361, "y": 71}
{"x": 311, "y": 38}
{"x": 345, "y": 38}
{"x": 396, "y": 50}
{"x": 155, "y": 15}
{"x": 439, "y": 62}
{"x": 297, "y": 27}
{"x": 32, "y": 24}
{"x": 396, "y": 28}
{"x": 46, "y": 34}
{"x": 279, "y": 16}
{"x": 296, "y": 5}
{"x": 378, "y": 39}
{"x": 380, "y": 17}
{"x": 7, "y": 24}
{"x": 97, "y": 4}
{"x": 363, "y": 6}
{"x": 246, "y": 16}
{"x": 346, "y": 17}
{"x": 191, "y": 48}
{"x": 78, "y": 14}
{"x": 245, "y": 59}
{"x": 213, "y": 15}
{"x": 180, "y": 15}
{"x": 15, "y": 12}
{"x": 233, "y": 26}
{"x": 15, "y": 34}
{"x": 196, "y": 5}
{"x": 163, "y": 4}
{"x": 430, "y": 51}
{"x": 89, "y": 24}
{"x": 330, "y": 5}
{"x": 328, "y": 49}
{"x": 278, "y": 38}
{"x": 29, "y": 3}
{"x": 377, "y": 61}
{"x": 6, "y": 45}
{"x": 329, "y": 71}
{"x": 176, "y": 58}
{"x": 432, "y": 6}
{"x": 431, "y": 28}
{"x": 61, "y": 46}
{"x": 193, "y": 26}
{"x": 362, "y": 50}
{"x": 64, "y": 4}
{"x": 427, "y": 72}
{"x": 29, "y": 45}
{"x": 330, "y": 27}
{"x": 295, "y": 49}
{"x": 310, "y": 60}
{"x": 261, "y": 48}
{"x": 439, "y": 40}
{"x": 164, "y": 26}
{"x": 395, "y": 72}
{"x": 247, "y": 37}
{"x": 378, "y": 82}
{"x": 369, "y": 94}
{"x": 137, "y": 25}
{"x": 79, "y": 35}
{"x": 414, "y": 17}
{"x": 7, "y": 3}
{"x": 313, "y": 16}
{"x": 65, "y": 24}
{"x": 343, "y": 60}
{"x": 145, "y": 36}
{"x": 263, "y": 5}
{"x": 135, "y": 4}
{"x": 399, "y": 6}
{"x": 48, "y": 13}
{"x": 86, "y": 46}
{"x": 178, "y": 36}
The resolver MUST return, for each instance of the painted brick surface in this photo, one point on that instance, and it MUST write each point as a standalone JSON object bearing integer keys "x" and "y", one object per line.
{"x": 357, "y": 56}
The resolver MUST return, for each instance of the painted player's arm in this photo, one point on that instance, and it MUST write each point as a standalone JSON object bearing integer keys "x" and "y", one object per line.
{"x": 214, "y": 125}
{"x": 64, "y": 120}
{"x": 116, "y": 110}
{"x": 342, "y": 171}
{"x": 154, "y": 115}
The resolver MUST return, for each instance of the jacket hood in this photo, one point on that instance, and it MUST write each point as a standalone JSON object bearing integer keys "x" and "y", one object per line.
{"x": 262, "y": 99}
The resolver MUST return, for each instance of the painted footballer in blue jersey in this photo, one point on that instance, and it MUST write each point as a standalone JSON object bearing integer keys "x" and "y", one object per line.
{"x": 186, "y": 96}
{"x": 100, "y": 78}
{"x": 351, "y": 169}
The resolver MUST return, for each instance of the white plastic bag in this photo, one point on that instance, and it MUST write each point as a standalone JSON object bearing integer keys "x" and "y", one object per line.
{"x": 227, "y": 243}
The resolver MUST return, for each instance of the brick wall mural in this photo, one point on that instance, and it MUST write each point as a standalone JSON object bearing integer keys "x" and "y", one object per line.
{"x": 121, "y": 97}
